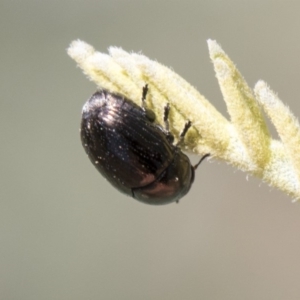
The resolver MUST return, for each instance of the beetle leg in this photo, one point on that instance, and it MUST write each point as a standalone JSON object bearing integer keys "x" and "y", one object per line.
{"x": 166, "y": 117}
{"x": 144, "y": 95}
{"x": 187, "y": 126}
{"x": 170, "y": 136}
{"x": 150, "y": 115}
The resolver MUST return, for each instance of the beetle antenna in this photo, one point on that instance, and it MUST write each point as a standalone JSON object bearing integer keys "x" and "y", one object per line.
{"x": 200, "y": 161}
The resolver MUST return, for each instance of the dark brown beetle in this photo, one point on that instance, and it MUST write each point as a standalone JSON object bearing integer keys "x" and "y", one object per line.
{"x": 133, "y": 153}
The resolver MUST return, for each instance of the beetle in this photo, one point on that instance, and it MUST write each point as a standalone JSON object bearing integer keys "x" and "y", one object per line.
{"x": 136, "y": 155}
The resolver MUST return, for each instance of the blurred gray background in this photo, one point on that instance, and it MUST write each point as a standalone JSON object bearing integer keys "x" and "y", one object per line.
{"x": 65, "y": 233}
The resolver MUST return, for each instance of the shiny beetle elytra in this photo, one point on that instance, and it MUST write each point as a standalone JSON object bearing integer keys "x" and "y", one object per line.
{"x": 133, "y": 153}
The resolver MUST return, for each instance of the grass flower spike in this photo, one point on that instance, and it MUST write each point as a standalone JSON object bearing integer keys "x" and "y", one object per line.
{"x": 244, "y": 141}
